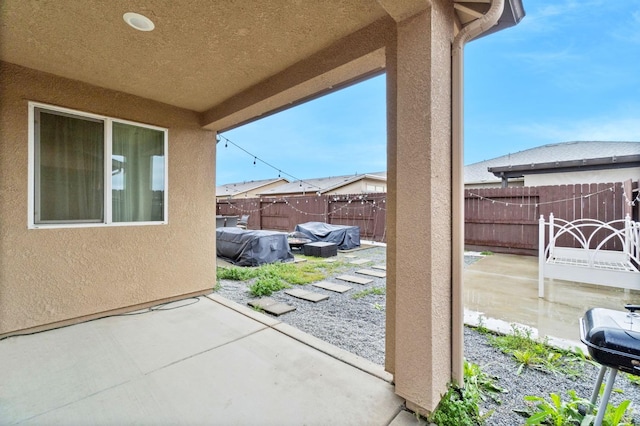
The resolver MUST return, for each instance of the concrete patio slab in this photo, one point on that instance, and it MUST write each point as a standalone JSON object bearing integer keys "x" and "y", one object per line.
{"x": 372, "y": 273}
{"x": 353, "y": 279}
{"x": 360, "y": 261}
{"x": 272, "y": 306}
{"x": 101, "y": 354}
{"x": 338, "y": 288}
{"x": 307, "y": 295}
{"x": 405, "y": 418}
{"x": 236, "y": 370}
{"x": 382, "y": 267}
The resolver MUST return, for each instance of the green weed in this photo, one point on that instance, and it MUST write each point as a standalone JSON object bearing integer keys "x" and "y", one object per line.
{"x": 535, "y": 353}
{"x": 380, "y": 291}
{"x": 266, "y": 286}
{"x": 555, "y": 411}
{"x": 236, "y": 273}
{"x": 633, "y": 379}
{"x": 461, "y": 407}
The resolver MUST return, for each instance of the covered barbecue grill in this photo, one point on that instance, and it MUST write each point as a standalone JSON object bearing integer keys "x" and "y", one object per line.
{"x": 613, "y": 340}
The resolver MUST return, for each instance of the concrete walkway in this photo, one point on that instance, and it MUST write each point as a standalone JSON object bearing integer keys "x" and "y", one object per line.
{"x": 208, "y": 361}
{"x": 505, "y": 287}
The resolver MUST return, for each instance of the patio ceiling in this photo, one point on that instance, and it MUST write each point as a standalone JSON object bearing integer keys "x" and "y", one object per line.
{"x": 202, "y": 53}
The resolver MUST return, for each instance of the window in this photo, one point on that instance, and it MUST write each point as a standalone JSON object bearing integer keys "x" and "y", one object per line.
{"x": 375, "y": 188}
{"x": 88, "y": 170}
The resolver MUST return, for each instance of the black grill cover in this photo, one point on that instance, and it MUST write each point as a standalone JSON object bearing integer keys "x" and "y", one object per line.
{"x": 345, "y": 237}
{"x": 613, "y": 338}
{"x": 252, "y": 248}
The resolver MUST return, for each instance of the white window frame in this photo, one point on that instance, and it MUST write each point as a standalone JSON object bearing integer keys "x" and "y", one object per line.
{"x": 108, "y": 122}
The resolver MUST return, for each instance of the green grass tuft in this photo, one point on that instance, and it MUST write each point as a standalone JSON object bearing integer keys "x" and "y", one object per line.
{"x": 366, "y": 292}
{"x": 266, "y": 286}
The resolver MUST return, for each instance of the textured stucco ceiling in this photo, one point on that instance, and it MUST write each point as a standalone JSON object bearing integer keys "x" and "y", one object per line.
{"x": 223, "y": 58}
{"x": 200, "y": 53}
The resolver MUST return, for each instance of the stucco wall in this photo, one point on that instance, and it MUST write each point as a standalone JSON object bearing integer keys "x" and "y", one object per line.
{"x": 51, "y": 275}
{"x": 358, "y": 187}
{"x": 592, "y": 176}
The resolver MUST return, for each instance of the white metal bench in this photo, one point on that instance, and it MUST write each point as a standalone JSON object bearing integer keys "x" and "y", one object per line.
{"x": 590, "y": 263}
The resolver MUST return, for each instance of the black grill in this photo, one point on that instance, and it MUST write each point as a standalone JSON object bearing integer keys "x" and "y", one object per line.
{"x": 613, "y": 340}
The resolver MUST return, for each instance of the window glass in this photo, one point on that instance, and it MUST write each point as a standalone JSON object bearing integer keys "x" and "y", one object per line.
{"x": 137, "y": 175}
{"x": 69, "y": 155}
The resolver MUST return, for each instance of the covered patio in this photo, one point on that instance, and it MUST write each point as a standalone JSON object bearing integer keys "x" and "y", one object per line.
{"x": 203, "y": 360}
{"x": 179, "y": 73}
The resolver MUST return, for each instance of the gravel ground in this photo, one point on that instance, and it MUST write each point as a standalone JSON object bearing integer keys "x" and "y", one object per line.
{"x": 358, "y": 326}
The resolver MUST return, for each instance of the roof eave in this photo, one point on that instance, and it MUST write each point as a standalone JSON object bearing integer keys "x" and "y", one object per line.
{"x": 512, "y": 14}
{"x": 614, "y": 162}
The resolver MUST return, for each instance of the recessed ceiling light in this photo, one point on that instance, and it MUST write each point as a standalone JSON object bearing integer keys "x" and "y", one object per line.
{"x": 139, "y": 22}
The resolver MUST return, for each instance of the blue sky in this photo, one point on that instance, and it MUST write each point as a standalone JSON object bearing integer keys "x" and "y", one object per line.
{"x": 570, "y": 71}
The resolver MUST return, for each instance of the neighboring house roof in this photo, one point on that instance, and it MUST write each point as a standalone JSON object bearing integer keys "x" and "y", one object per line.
{"x": 239, "y": 188}
{"x": 552, "y": 153}
{"x": 322, "y": 185}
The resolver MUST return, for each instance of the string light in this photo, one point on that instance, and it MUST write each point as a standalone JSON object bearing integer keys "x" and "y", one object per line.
{"x": 629, "y": 202}
{"x": 344, "y": 208}
{"x": 493, "y": 201}
{"x": 256, "y": 159}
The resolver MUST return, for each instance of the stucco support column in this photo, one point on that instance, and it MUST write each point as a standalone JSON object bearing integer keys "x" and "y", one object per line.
{"x": 419, "y": 328}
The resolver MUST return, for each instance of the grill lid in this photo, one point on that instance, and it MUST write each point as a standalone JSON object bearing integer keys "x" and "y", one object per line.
{"x": 612, "y": 337}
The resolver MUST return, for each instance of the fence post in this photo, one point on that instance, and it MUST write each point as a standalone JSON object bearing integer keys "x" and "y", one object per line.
{"x": 541, "y": 256}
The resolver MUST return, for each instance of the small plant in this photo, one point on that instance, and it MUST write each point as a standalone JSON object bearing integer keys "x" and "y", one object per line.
{"x": 461, "y": 407}
{"x": 572, "y": 412}
{"x": 299, "y": 274}
{"x": 266, "y": 286}
{"x": 486, "y": 384}
{"x": 486, "y": 253}
{"x": 481, "y": 328}
{"x": 380, "y": 291}
{"x": 536, "y": 353}
{"x": 236, "y": 274}
{"x": 633, "y": 379}
{"x": 378, "y": 306}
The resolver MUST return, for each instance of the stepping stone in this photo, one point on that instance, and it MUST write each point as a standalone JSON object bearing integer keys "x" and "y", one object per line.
{"x": 271, "y": 306}
{"x": 372, "y": 273}
{"x": 360, "y": 261}
{"x": 352, "y": 279}
{"x": 338, "y": 288}
{"x": 306, "y": 295}
{"x": 298, "y": 260}
{"x": 383, "y": 267}
{"x": 350, "y": 256}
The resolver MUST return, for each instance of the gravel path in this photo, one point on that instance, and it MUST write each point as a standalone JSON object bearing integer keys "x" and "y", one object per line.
{"x": 358, "y": 326}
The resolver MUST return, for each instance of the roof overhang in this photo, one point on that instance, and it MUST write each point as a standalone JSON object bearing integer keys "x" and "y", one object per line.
{"x": 467, "y": 11}
{"x": 602, "y": 163}
{"x": 228, "y": 63}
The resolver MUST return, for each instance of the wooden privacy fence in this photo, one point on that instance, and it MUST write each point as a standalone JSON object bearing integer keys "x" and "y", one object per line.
{"x": 506, "y": 219}
{"x": 496, "y": 219}
{"x": 367, "y": 211}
